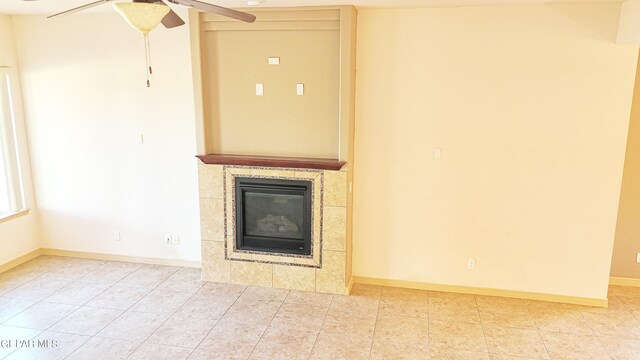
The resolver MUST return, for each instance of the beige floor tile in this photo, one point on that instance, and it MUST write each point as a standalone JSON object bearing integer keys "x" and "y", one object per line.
{"x": 10, "y": 281}
{"x": 494, "y": 304}
{"x": 11, "y": 335}
{"x": 220, "y": 289}
{"x": 458, "y": 355}
{"x": 41, "y": 315}
{"x": 86, "y": 321}
{"x": 229, "y": 340}
{"x": 148, "y": 351}
{"x": 332, "y": 346}
{"x": 10, "y": 307}
{"x": 401, "y": 326}
{"x": 182, "y": 331}
{"x": 395, "y": 304}
{"x": 104, "y": 349}
{"x": 296, "y": 317}
{"x": 621, "y": 348}
{"x": 133, "y": 326}
{"x": 392, "y": 348}
{"x": 119, "y": 297}
{"x": 453, "y": 312}
{"x": 573, "y": 347}
{"x": 36, "y": 290}
{"x": 507, "y": 357}
{"x": 404, "y": 294}
{"x": 438, "y": 297}
{"x": 161, "y": 302}
{"x": 354, "y": 306}
{"x": 256, "y": 295}
{"x": 258, "y": 313}
{"x": 515, "y": 342}
{"x": 70, "y": 272}
{"x": 569, "y": 320}
{"x": 447, "y": 335}
{"x": 516, "y": 319}
{"x": 53, "y": 346}
{"x": 284, "y": 344}
{"x": 614, "y": 324}
{"x": 188, "y": 280}
{"x": 349, "y": 325}
{"x": 77, "y": 293}
{"x": 148, "y": 276}
{"x": 109, "y": 273}
{"x": 205, "y": 306}
{"x": 306, "y": 298}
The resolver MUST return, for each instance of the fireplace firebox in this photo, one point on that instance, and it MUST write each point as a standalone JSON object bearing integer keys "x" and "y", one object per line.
{"x": 273, "y": 215}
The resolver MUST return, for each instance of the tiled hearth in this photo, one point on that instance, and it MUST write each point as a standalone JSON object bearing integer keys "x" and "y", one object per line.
{"x": 324, "y": 270}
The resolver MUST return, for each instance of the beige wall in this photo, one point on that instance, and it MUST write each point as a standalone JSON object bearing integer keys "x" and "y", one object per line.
{"x": 21, "y": 235}
{"x": 627, "y": 242}
{"x": 86, "y": 100}
{"x": 280, "y": 123}
{"x": 530, "y": 105}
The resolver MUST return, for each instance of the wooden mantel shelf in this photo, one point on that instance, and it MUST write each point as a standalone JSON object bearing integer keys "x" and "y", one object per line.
{"x": 273, "y": 161}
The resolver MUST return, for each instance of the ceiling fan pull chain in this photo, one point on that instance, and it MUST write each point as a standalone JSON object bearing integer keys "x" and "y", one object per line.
{"x": 147, "y": 55}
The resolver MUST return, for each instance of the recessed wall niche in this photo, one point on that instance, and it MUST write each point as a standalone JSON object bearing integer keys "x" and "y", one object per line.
{"x": 235, "y": 58}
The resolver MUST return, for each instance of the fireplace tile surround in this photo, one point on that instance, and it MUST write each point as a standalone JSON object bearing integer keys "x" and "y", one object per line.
{"x": 322, "y": 271}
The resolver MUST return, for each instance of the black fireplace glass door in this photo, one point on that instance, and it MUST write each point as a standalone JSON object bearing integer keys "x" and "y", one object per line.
{"x": 273, "y": 215}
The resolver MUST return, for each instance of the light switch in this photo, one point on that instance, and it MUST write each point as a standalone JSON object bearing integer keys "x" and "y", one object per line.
{"x": 259, "y": 89}
{"x": 139, "y": 139}
{"x": 300, "y": 89}
{"x": 274, "y": 61}
{"x": 437, "y": 153}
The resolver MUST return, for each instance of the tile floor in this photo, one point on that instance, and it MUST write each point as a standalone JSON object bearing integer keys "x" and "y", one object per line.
{"x": 90, "y": 309}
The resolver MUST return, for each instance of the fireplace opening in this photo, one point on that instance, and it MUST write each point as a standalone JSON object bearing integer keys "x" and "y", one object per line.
{"x": 273, "y": 215}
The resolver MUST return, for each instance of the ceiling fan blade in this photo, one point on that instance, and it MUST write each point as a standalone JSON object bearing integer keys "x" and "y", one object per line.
{"x": 80, "y": 8}
{"x": 172, "y": 20}
{"x": 234, "y": 14}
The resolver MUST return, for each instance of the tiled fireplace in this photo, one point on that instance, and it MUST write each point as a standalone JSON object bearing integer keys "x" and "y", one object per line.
{"x": 321, "y": 269}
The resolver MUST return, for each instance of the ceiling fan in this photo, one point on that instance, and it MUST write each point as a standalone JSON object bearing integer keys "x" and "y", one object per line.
{"x": 172, "y": 19}
{"x": 145, "y": 15}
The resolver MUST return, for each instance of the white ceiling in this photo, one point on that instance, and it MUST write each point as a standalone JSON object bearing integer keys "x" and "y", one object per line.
{"x": 54, "y": 6}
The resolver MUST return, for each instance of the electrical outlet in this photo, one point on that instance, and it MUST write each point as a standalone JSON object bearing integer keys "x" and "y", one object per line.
{"x": 167, "y": 239}
{"x": 116, "y": 236}
{"x": 175, "y": 240}
{"x": 471, "y": 264}
{"x": 638, "y": 258}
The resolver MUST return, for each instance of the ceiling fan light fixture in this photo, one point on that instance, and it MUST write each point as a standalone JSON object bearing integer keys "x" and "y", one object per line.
{"x": 142, "y": 16}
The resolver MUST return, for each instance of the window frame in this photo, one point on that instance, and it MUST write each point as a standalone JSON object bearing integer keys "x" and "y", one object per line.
{"x": 9, "y": 148}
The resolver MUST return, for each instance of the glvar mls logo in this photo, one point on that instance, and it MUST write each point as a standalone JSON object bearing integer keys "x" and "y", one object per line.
{"x": 16, "y": 344}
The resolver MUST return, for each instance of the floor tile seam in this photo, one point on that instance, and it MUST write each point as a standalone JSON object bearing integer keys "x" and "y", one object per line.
{"x": 482, "y": 326}
{"x": 605, "y": 348}
{"x": 161, "y": 324}
{"x": 116, "y": 318}
{"x": 324, "y": 318}
{"x": 221, "y": 316}
{"x": 269, "y": 325}
{"x": 375, "y": 326}
{"x": 81, "y": 305}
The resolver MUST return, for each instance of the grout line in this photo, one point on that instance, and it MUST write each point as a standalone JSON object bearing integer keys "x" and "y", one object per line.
{"x": 326, "y": 314}
{"x": 269, "y": 325}
{"x": 375, "y": 325}
{"x": 221, "y": 317}
{"x": 484, "y": 335}
{"x": 123, "y": 311}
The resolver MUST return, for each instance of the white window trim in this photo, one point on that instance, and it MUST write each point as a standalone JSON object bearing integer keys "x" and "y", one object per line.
{"x": 10, "y": 150}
